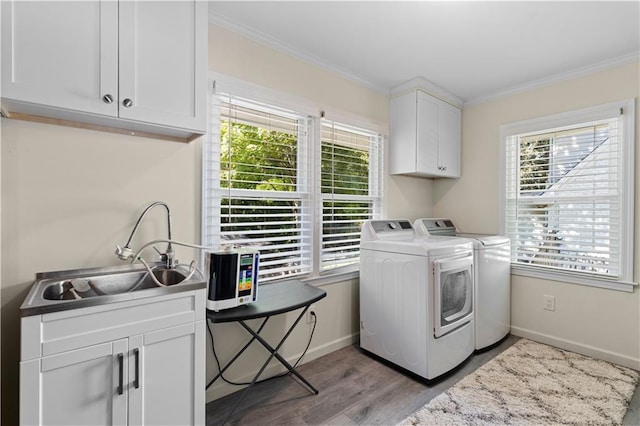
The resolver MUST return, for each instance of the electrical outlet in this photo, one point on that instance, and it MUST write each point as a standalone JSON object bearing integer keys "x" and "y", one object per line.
{"x": 310, "y": 318}
{"x": 549, "y": 302}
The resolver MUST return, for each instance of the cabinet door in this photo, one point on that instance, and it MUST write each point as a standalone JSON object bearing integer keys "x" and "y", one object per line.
{"x": 449, "y": 139}
{"x": 78, "y": 387}
{"x": 427, "y": 134}
{"x": 61, "y": 54}
{"x": 163, "y": 62}
{"x": 170, "y": 371}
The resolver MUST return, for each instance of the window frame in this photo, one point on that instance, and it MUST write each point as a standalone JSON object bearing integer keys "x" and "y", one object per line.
{"x": 374, "y": 186}
{"x": 292, "y": 262}
{"x": 234, "y": 87}
{"x": 624, "y": 282}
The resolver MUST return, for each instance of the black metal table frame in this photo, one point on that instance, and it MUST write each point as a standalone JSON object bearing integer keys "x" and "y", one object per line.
{"x": 278, "y": 298}
{"x": 272, "y": 351}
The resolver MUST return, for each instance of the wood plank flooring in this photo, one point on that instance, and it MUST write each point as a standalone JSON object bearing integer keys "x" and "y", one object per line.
{"x": 355, "y": 389}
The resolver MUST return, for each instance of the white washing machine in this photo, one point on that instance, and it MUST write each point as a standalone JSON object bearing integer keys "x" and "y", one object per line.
{"x": 416, "y": 298}
{"x": 492, "y": 279}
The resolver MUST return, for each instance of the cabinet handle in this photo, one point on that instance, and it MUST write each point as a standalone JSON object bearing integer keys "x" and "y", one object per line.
{"x": 128, "y": 103}
{"x": 136, "y": 381}
{"x": 107, "y": 99}
{"x": 121, "y": 373}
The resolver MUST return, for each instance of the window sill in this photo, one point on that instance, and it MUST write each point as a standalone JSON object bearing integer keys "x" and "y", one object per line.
{"x": 568, "y": 277}
{"x": 332, "y": 278}
{"x": 322, "y": 280}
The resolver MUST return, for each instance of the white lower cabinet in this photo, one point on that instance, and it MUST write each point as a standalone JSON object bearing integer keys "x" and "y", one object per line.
{"x": 166, "y": 377}
{"x": 151, "y": 372}
{"x": 74, "y": 388}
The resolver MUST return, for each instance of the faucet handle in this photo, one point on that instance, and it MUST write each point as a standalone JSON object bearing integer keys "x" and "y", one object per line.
{"x": 124, "y": 253}
{"x": 168, "y": 260}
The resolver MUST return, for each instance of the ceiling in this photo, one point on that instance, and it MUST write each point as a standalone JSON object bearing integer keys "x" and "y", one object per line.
{"x": 475, "y": 50}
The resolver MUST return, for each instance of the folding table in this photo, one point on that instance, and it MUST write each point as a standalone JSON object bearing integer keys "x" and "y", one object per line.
{"x": 273, "y": 299}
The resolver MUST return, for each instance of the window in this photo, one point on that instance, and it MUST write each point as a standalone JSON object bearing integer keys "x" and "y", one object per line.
{"x": 568, "y": 195}
{"x": 295, "y": 186}
{"x": 349, "y": 190}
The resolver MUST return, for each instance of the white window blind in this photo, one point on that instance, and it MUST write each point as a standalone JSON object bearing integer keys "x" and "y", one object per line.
{"x": 257, "y": 189}
{"x": 567, "y": 196}
{"x": 350, "y": 190}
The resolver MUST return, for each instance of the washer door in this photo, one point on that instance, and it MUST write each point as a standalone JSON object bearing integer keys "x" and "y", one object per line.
{"x": 453, "y": 293}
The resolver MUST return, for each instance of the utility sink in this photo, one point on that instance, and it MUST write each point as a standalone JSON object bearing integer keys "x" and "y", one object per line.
{"x": 63, "y": 290}
{"x": 103, "y": 285}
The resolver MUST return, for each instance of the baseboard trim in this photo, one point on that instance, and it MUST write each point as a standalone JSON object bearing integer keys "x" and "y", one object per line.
{"x": 570, "y": 345}
{"x": 221, "y": 388}
{"x": 329, "y": 347}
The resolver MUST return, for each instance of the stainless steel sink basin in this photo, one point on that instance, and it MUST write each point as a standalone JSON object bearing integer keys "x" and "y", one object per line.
{"x": 62, "y": 290}
{"x": 102, "y": 285}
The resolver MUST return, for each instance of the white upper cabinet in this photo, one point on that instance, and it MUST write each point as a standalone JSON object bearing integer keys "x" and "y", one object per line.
{"x": 61, "y": 54}
{"x": 162, "y": 67}
{"x": 425, "y": 136}
{"x": 134, "y": 65}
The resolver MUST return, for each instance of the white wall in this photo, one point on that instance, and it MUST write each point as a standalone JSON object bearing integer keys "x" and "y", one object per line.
{"x": 594, "y": 321}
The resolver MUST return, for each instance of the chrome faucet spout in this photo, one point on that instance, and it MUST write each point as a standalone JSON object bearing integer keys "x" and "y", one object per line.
{"x": 167, "y": 256}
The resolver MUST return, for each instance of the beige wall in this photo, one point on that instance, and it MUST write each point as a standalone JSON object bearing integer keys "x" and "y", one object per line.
{"x": 238, "y": 57}
{"x": 600, "y": 322}
{"x": 235, "y": 56}
{"x": 69, "y": 195}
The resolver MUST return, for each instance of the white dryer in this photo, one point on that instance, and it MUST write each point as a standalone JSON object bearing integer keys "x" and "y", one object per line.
{"x": 416, "y": 298}
{"x": 492, "y": 279}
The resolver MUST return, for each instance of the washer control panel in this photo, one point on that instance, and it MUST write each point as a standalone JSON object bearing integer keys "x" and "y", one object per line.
{"x": 390, "y": 225}
{"x": 439, "y": 226}
{"x": 381, "y": 229}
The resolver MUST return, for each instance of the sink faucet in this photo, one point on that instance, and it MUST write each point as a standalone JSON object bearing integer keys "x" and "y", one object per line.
{"x": 167, "y": 257}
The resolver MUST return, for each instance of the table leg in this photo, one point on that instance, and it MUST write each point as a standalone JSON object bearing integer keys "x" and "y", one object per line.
{"x": 255, "y": 379}
{"x": 221, "y": 372}
{"x": 274, "y": 352}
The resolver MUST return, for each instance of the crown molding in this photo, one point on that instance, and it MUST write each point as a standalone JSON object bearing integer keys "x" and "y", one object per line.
{"x": 429, "y": 87}
{"x": 260, "y": 37}
{"x": 557, "y": 78}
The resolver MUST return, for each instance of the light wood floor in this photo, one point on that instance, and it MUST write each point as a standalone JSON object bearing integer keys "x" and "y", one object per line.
{"x": 354, "y": 389}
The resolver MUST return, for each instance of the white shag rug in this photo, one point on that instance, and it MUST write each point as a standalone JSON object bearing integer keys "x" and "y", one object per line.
{"x": 533, "y": 384}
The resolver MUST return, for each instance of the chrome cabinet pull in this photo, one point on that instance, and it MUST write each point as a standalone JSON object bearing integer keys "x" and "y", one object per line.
{"x": 128, "y": 103}
{"x": 107, "y": 99}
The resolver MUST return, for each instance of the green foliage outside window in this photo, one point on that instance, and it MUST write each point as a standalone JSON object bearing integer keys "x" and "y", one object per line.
{"x": 534, "y": 164}
{"x": 257, "y": 158}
